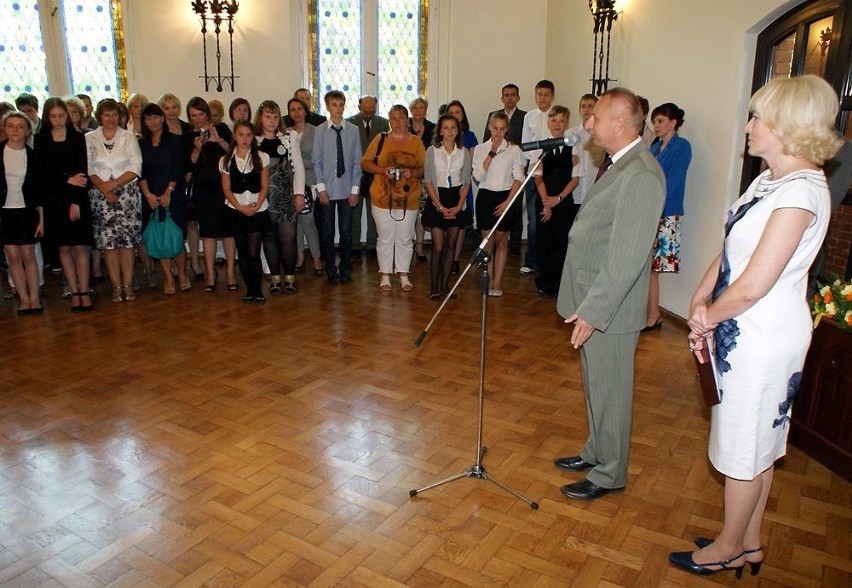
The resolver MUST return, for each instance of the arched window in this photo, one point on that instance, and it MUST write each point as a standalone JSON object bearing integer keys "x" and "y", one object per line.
{"x": 70, "y": 46}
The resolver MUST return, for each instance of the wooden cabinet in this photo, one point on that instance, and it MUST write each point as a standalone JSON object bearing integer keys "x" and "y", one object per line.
{"x": 822, "y": 410}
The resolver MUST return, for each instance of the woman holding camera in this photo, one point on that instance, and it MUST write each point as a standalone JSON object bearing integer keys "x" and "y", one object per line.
{"x": 206, "y": 145}
{"x": 395, "y": 195}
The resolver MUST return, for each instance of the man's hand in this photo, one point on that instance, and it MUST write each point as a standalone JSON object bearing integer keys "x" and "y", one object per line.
{"x": 582, "y": 330}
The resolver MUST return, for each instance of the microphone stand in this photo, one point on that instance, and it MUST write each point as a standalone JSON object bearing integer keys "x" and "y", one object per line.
{"x": 481, "y": 259}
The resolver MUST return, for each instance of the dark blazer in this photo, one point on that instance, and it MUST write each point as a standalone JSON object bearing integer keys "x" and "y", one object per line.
{"x": 33, "y": 187}
{"x": 312, "y": 118}
{"x": 516, "y": 126}
{"x": 379, "y": 124}
{"x": 607, "y": 268}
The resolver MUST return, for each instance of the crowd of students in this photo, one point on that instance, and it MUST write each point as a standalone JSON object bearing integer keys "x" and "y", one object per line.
{"x": 80, "y": 184}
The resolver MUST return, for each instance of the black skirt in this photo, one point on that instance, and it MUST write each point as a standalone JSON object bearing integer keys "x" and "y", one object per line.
{"x": 18, "y": 226}
{"x": 487, "y": 202}
{"x": 449, "y": 197}
{"x": 259, "y": 222}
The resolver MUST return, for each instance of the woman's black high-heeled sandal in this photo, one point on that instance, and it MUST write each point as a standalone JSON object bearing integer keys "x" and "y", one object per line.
{"x": 684, "y": 561}
{"x": 754, "y": 566}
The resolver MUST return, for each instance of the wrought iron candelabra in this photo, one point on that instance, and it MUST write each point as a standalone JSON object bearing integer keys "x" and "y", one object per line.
{"x": 217, "y": 12}
{"x": 604, "y": 14}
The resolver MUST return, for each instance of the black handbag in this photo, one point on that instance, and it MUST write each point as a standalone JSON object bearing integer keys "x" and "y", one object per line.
{"x": 367, "y": 178}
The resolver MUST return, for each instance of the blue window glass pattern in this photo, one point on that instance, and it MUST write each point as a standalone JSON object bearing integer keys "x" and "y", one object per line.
{"x": 394, "y": 65}
{"x": 91, "y": 47}
{"x": 399, "y": 55}
{"x": 337, "y": 47}
{"x": 22, "y": 58}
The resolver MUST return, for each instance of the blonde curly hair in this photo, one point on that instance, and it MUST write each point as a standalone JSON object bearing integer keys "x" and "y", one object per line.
{"x": 801, "y": 112}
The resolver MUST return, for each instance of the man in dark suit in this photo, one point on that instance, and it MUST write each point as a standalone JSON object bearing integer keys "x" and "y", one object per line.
{"x": 604, "y": 287}
{"x": 369, "y": 125}
{"x": 509, "y": 96}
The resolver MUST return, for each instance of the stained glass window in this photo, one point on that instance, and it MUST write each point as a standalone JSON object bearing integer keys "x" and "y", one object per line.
{"x": 338, "y": 49}
{"x": 22, "y": 59}
{"x": 91, "y": 48}
{"x": 368, "y": 47}
{"x": 399, "y": 51}
{"x": 91, "y": 60}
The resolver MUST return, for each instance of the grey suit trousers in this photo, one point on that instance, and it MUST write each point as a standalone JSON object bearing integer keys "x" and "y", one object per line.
{"x": 607, "y": 361}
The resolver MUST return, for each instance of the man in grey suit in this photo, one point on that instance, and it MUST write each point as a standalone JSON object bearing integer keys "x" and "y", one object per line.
{"x": 369, "y": 125}
{"x": 604, "y": 287}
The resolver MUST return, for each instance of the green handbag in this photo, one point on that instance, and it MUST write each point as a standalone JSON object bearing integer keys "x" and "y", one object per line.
{"x": 162, "y": 237}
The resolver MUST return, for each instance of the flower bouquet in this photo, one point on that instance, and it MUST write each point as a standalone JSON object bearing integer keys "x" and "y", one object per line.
{"x": 834, "y": 301}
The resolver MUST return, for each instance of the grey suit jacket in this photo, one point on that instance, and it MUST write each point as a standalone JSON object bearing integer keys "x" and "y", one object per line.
{"x": 379, "y": 124}
{"x": 606, "y": 272}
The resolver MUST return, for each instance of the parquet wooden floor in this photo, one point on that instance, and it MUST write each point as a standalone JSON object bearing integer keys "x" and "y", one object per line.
{"x": 199, "y": 441}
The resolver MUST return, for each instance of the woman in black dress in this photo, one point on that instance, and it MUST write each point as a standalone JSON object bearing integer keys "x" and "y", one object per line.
{"x": 162, "y": 185}
{"x": 205, "y": 146}
{"x": 67, "y": 215}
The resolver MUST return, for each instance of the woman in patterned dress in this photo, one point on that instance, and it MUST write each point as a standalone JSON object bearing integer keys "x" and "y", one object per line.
{"x": 115, "y": 163}
{"x": 286, "y": 193}
{"x": 758, "y": 315}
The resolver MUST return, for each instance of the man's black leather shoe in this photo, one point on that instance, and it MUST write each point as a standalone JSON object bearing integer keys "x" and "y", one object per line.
{"x": 575, "y": 463}
{"x": 586, "y": 490}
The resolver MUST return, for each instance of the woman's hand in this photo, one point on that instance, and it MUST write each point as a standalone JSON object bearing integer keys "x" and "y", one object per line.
{"x": 502, "y": 207}
{"x": 248, "y": 209}
{"x": 110, "y": 196}
{"x": 698, "y": 321}
{"x": 299, "y": 202}
{"x": 166, "y": 198}
{"x": 198, "y": 142}
{"x": 213, "y": 134}
{"x": 495, "y": 144}
{"x": 696, "y": 344}
{"x": 74, "y": 212}
{"x": 546, "y": 214}
{"x": 39, "y": 232}
{"x": 549, "y": 202}
{"x": 452, "y": 212}
{"x": 153, "y": 201}
{"x": 80, "y": 180}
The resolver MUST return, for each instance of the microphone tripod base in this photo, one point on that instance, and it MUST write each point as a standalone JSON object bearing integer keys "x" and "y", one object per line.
{"x": 480, "y": 473}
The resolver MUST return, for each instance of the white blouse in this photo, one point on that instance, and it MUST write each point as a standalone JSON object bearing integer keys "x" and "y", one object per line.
{"x": 446, "y": 170}
{"x": 106, "y": 163}
{"x": 15, "y": 161}
{"x": 506, "y": 167}
{"x": 244, "y": 166}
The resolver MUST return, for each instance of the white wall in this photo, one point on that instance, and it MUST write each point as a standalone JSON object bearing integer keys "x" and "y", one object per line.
{"x": 163, "y": 42}
{"x": 697, "y": 53}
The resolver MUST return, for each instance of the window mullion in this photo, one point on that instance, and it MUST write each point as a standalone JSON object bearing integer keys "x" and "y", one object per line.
{"x": 53, "y": 39}
{"x": 369, "y": 47}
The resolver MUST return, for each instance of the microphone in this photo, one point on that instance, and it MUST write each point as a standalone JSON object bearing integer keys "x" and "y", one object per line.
{"x": 568, "y": 140}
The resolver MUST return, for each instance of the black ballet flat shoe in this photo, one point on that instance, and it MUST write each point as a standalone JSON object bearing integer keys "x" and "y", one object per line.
{"x": 79, "y": 307}
{"x": 684, "y": 561}
{"x": 37, "y": 310}
{"x": 754, "y": 566}
{"x": 199, "y": 276}
{"x": 232, "y": 287}
{"x": 656, "y": 325}
{"x": 434, "y": 296}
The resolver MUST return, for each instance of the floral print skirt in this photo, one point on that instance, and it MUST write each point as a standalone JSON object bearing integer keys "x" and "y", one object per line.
{"x": 117, "y": 225}
{"x": 666, "y": 252}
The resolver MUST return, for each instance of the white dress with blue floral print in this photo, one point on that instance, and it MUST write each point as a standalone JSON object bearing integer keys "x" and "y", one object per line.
{"x": 761, "y": 352}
